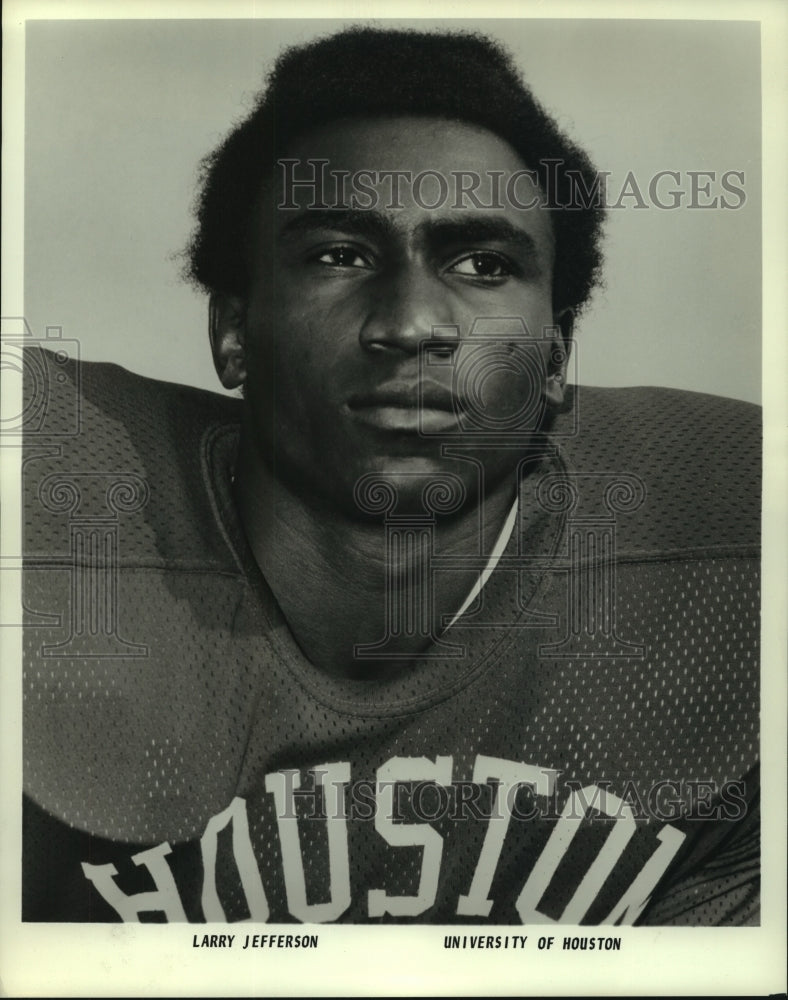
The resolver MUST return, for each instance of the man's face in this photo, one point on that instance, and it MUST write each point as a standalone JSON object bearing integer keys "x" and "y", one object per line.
{"x": 340, "y": 301}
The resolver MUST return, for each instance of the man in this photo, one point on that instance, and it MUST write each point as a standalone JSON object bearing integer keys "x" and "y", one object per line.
{"x": 416, "y": 631}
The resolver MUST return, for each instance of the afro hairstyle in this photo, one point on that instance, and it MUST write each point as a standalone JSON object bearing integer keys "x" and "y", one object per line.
{"x": 369, "y": 72}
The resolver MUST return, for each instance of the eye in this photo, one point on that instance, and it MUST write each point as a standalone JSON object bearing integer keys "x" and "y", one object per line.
{"x": 483, "y": 264}
{"x": 342, "y": 256}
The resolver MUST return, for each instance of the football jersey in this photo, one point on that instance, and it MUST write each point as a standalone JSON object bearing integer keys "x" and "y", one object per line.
{"x": 579, "y": 747}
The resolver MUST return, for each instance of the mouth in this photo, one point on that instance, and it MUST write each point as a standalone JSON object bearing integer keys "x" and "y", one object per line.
{"x": 414, "y": 407}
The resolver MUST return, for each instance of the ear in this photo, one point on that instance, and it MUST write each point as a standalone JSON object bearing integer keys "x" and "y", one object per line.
{"x": 555, "y": 387}
{"x": 227, "y": 330}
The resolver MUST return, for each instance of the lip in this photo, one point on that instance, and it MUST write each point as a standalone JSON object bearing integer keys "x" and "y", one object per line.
{"x": 408, "y": 395}
{"x": 411, "y": 407}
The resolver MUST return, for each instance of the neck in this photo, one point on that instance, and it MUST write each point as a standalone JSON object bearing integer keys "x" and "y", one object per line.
{"x": 335, "y": 575}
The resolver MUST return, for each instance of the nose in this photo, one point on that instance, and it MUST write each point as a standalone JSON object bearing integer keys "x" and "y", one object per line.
{"x": 409, "y": 303}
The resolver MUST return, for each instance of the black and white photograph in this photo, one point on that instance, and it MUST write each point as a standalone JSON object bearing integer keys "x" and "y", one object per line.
{"x": 394, "y": 501}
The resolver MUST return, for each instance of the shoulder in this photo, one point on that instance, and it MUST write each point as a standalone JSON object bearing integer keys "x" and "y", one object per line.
{"x": 65, "y": 396}
{"x": 663, "y": 413}
{"x": 101, "y": 441}
{"x": 696, "y": 460}
{"x": 651, "y": 423}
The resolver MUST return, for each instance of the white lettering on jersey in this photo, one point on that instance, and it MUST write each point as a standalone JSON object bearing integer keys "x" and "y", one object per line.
{"x": 567, "y": 826}
{"x": 402, "y": 769}
{"x": 635, "y": 899}
{"x": 332, "y": 778}
{"x": 163, "y": 898}
{"x": 511, "y": 774}
{"x": 245, "y": 862}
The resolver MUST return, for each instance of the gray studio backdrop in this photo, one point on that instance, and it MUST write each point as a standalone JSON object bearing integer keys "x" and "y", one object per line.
{"x": 118, "y": 114}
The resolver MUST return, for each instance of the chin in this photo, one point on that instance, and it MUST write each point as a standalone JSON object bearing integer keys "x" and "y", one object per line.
{"x": 414, "y": 486}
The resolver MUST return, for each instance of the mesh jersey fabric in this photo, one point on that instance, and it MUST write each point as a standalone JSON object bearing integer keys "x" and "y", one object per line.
{"x": 590, "y": 757}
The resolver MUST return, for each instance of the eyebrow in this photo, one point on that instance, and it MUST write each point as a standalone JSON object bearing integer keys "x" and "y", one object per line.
{"x": 356, "y": 222}
{"x": 480, "y": 229}
{"x": 440, "y": 232}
